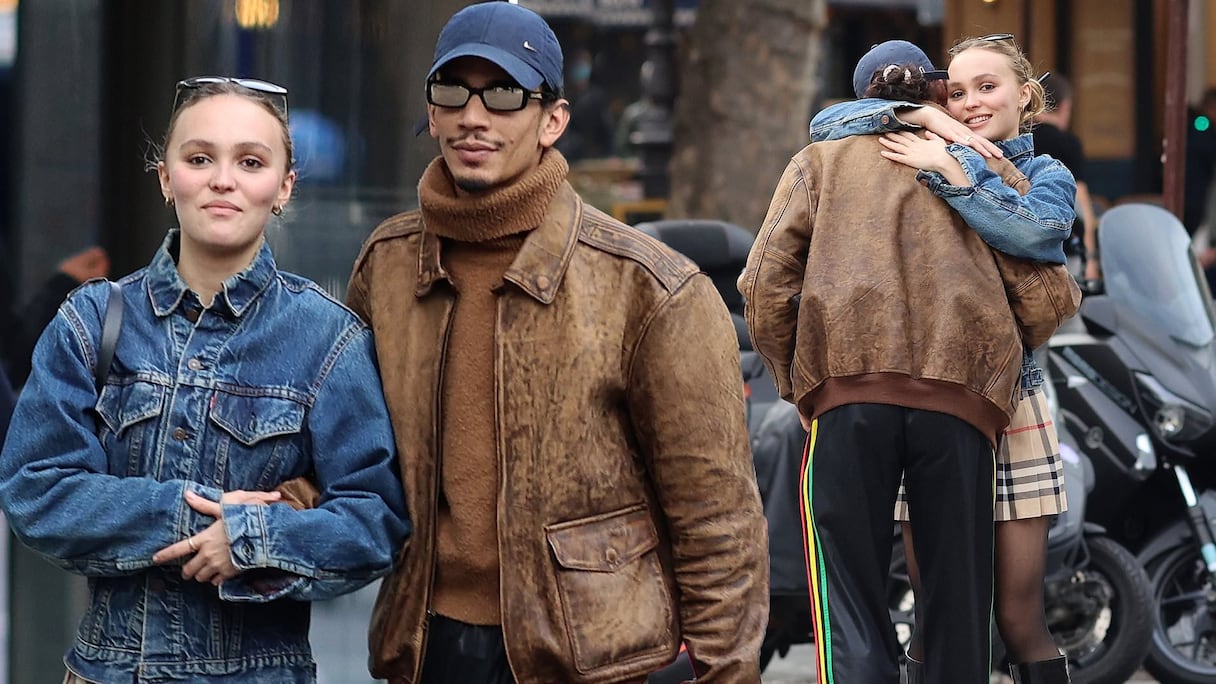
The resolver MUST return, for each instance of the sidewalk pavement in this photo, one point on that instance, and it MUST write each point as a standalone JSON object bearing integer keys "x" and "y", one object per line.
{"x": 798, "y": 667}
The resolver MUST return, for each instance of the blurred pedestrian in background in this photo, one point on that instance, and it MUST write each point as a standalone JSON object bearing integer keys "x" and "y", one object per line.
{"x": 1199, "y": 199}
{"x": 1053, "y": 137}
{"x": 21, "y": 324}
{"x": 1200, "y": 161}
{"x": 590, "y": 132}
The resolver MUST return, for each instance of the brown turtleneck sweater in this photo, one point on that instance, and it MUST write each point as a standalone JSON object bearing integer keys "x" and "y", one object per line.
{"x": 481, "y": 236}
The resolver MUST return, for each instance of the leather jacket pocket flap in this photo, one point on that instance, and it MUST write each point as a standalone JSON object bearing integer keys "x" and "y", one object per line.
{"x": 122, "y": 406}
{"x": 605, "y": 542}
{"x": 252, "y": 419}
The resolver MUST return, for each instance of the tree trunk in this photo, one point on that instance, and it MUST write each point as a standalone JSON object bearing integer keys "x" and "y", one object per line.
{"x": 744, "y": 105}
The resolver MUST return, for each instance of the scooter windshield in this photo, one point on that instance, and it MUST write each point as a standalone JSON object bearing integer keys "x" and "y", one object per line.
{"x": 1148, "y": 266}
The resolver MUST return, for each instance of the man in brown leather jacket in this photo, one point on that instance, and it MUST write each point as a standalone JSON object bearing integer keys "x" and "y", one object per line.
{"x": 888, "y": 323}
{"x": 567, "y": 403}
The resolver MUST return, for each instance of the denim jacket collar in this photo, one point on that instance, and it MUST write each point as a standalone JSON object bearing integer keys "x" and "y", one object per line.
{"x": 1016, "y": 148}
{"x": 237, "y": 293}
{"x": 542, "y": 260}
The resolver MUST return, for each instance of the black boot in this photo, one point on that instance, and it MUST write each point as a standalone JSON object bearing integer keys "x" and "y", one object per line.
{"x": 1054, "y": 671}
{"x": 915, "y": 671}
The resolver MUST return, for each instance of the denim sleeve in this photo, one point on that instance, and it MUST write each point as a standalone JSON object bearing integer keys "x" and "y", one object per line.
{"x": 361, "y": 520}
{"x": 860, "y": 117}
{"x": 1032, "y": 375}
{"x": 55, "y": 487}
{"x": 1031, "y": 226}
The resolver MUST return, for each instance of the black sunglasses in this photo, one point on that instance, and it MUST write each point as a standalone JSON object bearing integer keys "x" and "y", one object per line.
{"x": 277, "y": 92}
{"x": 496, "y": 98}
{"x": 997, "y": 37}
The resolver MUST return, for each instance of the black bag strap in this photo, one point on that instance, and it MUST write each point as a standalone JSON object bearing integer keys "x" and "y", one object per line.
{"x": 109, "y": 335}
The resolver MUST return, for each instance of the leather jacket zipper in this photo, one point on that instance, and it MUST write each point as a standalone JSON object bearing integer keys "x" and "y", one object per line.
{"x": 437, "y": 445}
{"x": 502, "y": 474}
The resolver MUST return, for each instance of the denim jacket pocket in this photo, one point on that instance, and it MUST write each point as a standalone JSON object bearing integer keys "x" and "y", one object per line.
{"x": 259, "y": 447}
{"x": 610, "y": 581}
{"x": 128, "y": 414}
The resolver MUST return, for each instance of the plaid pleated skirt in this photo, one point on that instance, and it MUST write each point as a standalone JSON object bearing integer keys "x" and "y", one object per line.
{"x": 1029, "y": 471}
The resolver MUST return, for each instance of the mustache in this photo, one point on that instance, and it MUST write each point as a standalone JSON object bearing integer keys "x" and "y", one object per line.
{"x": 476, "y": 138}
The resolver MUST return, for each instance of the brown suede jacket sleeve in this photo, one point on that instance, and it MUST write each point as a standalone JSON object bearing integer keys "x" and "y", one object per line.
{"x": 1041, "y": 296}
{"x": 778, "y": 261}
{"x": 687, "y": 406}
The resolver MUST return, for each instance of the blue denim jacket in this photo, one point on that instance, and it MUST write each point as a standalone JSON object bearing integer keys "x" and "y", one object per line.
{"x": 1031, "y": 226}
{"x": 275, "y": 380}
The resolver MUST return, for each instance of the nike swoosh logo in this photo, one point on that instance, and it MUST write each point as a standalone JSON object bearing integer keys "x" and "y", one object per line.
{"x": 528, "y": 46}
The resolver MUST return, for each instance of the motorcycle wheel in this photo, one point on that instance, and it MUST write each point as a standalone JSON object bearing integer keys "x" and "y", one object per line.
{"x": 1110, "y": 646}
{"x": 1183, "y": 647}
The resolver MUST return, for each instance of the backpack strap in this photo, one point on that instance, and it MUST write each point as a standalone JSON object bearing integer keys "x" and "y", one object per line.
{"x": 109, "y": 335}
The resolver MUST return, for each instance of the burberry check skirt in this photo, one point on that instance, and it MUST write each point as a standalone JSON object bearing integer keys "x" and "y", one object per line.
{"x": 1029, "y": 471}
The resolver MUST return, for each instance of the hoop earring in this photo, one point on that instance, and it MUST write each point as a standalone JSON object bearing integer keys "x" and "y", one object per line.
{"x": 277, "y": 210}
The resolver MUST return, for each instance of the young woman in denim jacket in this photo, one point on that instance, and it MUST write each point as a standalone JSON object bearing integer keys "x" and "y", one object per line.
{"x": 230, "y": 377}
{"x": 991, "y": 99}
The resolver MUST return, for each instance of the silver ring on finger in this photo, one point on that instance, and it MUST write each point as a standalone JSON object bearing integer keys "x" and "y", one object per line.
{"x": 190, "y": 543}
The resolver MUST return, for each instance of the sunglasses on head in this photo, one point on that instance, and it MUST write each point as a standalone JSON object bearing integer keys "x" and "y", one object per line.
{"x": 496, "y": 98}
{"x": 997, "y": 37}
{"x": 277, "y": 92}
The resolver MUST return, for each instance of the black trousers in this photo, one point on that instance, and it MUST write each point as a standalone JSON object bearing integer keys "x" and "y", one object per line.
{"x": 459, "y": 652}
{"x": 850, "y": 476}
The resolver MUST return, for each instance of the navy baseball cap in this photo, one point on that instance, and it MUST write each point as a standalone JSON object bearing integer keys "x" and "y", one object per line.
{"x": 891, "y": 52}
{"x": 513, "y": 37}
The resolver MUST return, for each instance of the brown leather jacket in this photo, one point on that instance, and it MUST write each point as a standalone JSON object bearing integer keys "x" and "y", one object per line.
{"x": 893, "y": 287}
{"x": 628, "y": 514}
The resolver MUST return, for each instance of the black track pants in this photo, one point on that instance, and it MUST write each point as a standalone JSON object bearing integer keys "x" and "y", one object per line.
{"x": 850, "y": 475}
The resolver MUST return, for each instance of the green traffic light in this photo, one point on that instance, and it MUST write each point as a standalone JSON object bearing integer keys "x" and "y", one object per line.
{"x": 1202, "y": 123}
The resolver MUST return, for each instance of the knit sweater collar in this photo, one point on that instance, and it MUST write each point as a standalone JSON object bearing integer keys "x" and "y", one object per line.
{"x": 509, "y": 210}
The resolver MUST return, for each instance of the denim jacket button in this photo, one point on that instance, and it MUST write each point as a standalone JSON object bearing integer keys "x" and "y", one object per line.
{"x": 886, "y": 119}
{"x": 195, "y": 364}
{"x": 179, "y": 434}
{"x": 611, "y": 556}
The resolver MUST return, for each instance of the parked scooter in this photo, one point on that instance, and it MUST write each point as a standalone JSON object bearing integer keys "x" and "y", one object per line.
{"x": 1138, "y": 388}
{"x": 1097, "y": 598}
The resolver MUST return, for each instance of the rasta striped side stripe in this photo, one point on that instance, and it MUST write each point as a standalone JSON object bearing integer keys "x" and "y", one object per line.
{"x": 816, "y": 578}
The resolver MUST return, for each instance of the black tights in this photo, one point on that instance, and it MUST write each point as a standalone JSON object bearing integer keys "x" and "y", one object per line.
{"x": 1020, "y": 561}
